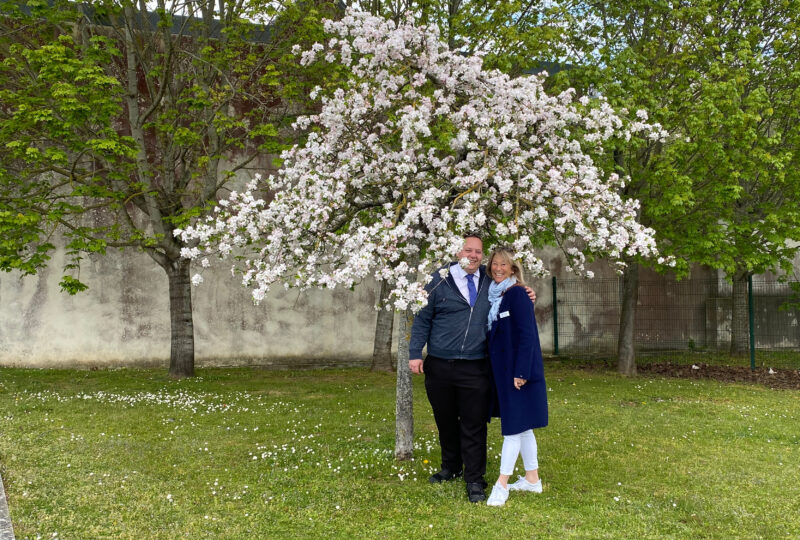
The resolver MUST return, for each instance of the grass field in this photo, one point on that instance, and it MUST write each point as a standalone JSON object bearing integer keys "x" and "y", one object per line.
{"x": 247, "y": 453}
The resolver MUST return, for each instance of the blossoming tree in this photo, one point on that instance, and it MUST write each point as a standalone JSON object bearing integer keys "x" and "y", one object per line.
{"x": 414, "y": 147}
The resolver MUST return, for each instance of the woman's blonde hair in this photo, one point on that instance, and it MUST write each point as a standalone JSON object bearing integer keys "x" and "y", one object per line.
{"x": 508, "y": 255}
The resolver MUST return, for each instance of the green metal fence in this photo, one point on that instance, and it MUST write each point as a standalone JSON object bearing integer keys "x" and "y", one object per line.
{"x": 688, "y": 317}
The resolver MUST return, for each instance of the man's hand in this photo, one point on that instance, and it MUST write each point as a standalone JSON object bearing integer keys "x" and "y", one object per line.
{"x": 415, "y": 366}
{"x": 531, "y": 294}
{"x": 519, "y": 383}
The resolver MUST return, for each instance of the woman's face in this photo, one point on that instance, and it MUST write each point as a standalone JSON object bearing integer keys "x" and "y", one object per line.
{"x": 501, "y": 268}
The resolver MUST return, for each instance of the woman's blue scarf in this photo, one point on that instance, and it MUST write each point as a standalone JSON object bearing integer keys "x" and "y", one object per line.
{"x": 496, "y": 291}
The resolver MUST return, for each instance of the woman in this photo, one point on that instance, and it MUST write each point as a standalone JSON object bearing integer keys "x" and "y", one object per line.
{"x": 516, "y": 360}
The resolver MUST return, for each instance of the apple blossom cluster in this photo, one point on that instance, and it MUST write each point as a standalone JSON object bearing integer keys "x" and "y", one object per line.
{"x": 420, "y": 146}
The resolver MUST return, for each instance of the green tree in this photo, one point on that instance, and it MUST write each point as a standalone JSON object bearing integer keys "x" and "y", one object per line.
{"x": 28, "y": 221}
{"x": 141, "y": 118}
{"x": 756, "y": 159}
{"x": 30, "y": 209}
{"x": 714, "y": 74}
{"x": 23, "y": 246}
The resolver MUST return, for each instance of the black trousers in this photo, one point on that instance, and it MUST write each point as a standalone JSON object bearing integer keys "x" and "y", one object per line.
{"x": 459, "y": 392}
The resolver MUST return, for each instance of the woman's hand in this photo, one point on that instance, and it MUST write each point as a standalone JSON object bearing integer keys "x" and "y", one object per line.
{"x": 518, "y": 383}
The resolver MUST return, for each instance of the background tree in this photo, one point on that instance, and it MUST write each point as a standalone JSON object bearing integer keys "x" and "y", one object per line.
{"x": 23, "y": 246}
{"x": 29, "y": 216}
{"x": 141, "y": 118}
{"x": 384, "y": 325}
{"x": 757, "y": 99}
{"x": 630, "y": 53}
{"x": 694, "y": 66}
{"x": 418, "y": 146}
{"x": 29, "y": 210}
{"x": 24, "y": 234}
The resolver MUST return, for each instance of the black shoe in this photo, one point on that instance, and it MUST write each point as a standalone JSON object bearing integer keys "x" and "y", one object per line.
{"x": 445, "y": 475}
{"x": 475, "y": 492}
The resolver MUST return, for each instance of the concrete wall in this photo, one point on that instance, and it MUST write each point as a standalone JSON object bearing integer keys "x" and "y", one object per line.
{"x": 123, "y": 320}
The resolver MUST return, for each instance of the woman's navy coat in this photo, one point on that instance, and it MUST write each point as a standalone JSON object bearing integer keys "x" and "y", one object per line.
{"x": 515, "y": 352}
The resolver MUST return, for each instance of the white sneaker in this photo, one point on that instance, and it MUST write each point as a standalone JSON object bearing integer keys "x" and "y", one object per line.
{"x": 523, "y": 485}
{"x": 498, "y": 497}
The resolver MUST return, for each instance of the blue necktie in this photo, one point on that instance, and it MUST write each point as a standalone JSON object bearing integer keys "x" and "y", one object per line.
{"x": 473, "y": 292}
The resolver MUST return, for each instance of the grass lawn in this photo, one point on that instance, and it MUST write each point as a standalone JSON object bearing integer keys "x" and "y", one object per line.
{"x": 248, "y": 453}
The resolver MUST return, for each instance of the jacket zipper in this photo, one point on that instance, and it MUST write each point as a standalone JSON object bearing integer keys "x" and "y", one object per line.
{"x": 463, "y": 343}
{"x": 469, "y": 321}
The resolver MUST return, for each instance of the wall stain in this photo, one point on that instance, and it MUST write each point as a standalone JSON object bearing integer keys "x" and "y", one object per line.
{"x": 31, "y": 317}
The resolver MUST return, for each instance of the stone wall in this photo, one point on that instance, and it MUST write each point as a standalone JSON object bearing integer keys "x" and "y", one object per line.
{"x": 123, "y": 320}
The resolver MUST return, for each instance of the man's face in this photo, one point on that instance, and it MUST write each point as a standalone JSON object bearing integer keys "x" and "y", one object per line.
{"x": 473, "y": 251}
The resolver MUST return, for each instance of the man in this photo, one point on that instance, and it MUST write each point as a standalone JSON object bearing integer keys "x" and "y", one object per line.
{"x": 457, "y": 370}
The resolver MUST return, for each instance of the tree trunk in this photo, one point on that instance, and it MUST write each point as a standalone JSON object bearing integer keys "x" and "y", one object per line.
{"x": 382, "y": 351}
{"x": 181, "y": 357}
{"x": 740, "y": 328}
{"x": 626, "y": 355}
{"x": 404, "y": 411}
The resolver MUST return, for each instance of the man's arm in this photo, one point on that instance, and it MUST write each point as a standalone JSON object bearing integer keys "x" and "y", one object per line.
{"x": 420, "y": 332}
{"x": 531, "y": 294}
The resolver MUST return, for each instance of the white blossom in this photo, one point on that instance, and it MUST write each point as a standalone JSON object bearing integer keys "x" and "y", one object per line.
{"x": 373, "y": 192}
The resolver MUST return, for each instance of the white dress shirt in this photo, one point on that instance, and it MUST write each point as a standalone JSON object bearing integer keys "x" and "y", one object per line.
{"x": 460, "y": 277}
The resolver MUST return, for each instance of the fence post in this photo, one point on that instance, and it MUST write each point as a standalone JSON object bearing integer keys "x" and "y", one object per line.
{"x": 555, "y": 317}
{"x": 751, "y": 321}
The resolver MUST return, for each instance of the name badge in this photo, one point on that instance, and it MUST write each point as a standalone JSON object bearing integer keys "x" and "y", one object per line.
{"x": 504, "y": 314}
